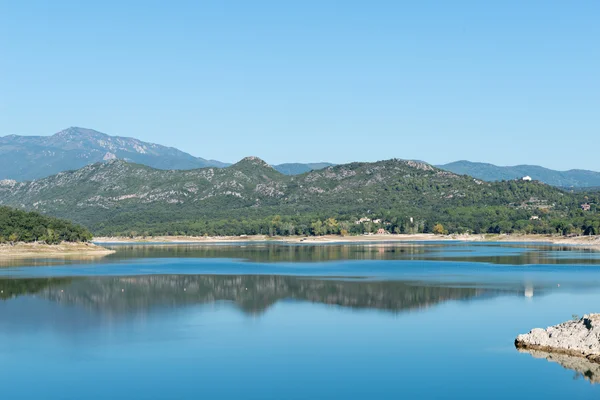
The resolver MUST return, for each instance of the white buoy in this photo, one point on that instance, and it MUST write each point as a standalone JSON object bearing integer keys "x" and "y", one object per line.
{"x": 122, "y": 290}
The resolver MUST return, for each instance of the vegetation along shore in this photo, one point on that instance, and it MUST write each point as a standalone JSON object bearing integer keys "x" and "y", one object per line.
{"x": 29, "y": 234}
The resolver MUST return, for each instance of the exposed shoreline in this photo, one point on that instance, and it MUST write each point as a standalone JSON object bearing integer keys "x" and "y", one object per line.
{"x": 62, "y": 250}
{"x": 582, "y": 241}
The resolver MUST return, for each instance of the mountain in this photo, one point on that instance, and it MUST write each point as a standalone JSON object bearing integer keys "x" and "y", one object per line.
{"x": 33, "y": 157}
{"x": 251, "y": 197}
{"x": 298, "y": 168}
{"x": 489, "y": 172}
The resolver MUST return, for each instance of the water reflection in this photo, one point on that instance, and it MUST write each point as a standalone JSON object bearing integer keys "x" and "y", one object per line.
{"x": 582, "y": 367}
{"x": 269, "y": 252}
{"x": 495, "y": 253}
{"x": 252, "y": 294}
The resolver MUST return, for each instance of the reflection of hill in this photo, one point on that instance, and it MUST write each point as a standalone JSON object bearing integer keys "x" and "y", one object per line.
{"x": 10, "y": 288}
{"x": 582, "y": 367}
{"x": 252, "y": 294}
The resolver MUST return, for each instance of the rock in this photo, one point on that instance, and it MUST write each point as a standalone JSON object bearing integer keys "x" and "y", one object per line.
{"x": 579, "y": 338}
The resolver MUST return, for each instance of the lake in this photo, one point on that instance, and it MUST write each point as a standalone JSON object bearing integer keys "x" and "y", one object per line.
{"x": 275, "y": 321}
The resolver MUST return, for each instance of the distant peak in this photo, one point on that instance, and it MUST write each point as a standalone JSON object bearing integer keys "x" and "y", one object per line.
{"x": 77, "y": 131}
{"x": 254, "y": 161}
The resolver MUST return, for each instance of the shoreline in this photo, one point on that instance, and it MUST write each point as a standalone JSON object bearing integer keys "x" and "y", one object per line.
{"x": 62, "y": 250}
{"x": 592, "y": 242}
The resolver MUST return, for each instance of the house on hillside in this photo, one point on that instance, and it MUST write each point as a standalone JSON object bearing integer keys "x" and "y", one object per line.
{"x": 586, "y": 207}
{"x": 527, "y": 178}
{"x": 377, "y": 221}
{"x": 362, "y": 220}
{"x": 534, "y": 218}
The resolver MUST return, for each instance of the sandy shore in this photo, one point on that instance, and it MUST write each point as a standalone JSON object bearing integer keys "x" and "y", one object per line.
{"x": 63, "y": 250}
{"x": 585, "y": 241}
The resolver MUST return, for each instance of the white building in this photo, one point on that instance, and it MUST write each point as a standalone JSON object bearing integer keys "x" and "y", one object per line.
{"x": 527, "y": 178}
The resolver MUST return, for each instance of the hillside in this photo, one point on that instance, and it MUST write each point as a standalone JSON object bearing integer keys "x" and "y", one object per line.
{"x": 33, "y": 157}
{"x": 299, "y": 168}
{"x": 251, "y": 197}
{"x": 21, "y": 226}
{"x": 488, "y": 172}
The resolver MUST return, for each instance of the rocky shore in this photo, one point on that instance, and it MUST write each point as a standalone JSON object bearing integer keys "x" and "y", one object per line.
{"x": 579, "y": 338}
{"x": 591, "y": 242}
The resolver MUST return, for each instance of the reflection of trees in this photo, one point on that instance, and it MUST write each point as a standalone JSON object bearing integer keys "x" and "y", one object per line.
{"x": 583, "y": 367}
{"x": 253, "y": 294}
{"x": 272, "y": 252}
{"x": 10, "y": 288}
{"x": 511, "y": 254}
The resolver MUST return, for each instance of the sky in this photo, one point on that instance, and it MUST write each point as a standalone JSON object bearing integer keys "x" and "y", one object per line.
{"x": 506, "y": 82}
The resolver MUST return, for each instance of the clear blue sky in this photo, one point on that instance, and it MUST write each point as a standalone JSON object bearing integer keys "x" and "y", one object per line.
{"x": 505, "y": 81}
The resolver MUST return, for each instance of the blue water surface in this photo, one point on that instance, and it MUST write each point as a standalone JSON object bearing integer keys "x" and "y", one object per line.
{"x": 344, "y": 324}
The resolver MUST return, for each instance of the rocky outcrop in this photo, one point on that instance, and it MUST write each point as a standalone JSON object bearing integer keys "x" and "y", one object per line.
{"x": 580, "y": 338}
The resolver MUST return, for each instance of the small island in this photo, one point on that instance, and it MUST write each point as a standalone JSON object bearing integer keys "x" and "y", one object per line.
{"x": 579, "y": 337}
{"x": 30, "y": 234}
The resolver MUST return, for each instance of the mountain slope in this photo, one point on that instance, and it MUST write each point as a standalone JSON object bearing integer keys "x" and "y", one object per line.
{"x": 299, "y": 168}
{"x": 117, "y": 196}
{"x": 33, "y": 157}
{"x": 490, "y": 172}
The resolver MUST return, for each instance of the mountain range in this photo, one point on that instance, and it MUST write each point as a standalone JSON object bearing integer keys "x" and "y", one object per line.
{"x": 33, "y": 157}
{"x": 117, "y": 196}
{"x": 575, "y": 178}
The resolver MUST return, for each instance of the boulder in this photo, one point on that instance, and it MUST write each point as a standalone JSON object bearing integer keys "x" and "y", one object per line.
{"x": 580, "y": 338}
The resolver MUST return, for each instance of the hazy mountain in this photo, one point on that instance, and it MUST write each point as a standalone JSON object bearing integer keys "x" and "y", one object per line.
{"x": 299, "y": 168}
{"x": 116, "y": 196}
{"x": 490, "y": 172}
{"x": 33, "y": 157}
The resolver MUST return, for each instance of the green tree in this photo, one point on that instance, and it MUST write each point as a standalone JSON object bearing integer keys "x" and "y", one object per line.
{"x": 438, "y": 229}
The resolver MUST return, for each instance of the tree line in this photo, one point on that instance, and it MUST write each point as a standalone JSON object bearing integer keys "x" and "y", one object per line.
{"x": 22, "y": 226}
{"x": 475, "y": 220}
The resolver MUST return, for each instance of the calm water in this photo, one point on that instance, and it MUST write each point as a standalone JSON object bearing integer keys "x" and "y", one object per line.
{"x": 265, "y": 321}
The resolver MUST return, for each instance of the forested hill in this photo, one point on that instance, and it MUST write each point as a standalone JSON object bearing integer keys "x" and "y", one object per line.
{"x": 22, "y": 226}
{"x": 251, "y": 197}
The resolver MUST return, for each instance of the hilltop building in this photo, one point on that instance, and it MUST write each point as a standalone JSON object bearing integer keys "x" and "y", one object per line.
{"x": 527, "y": 178}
